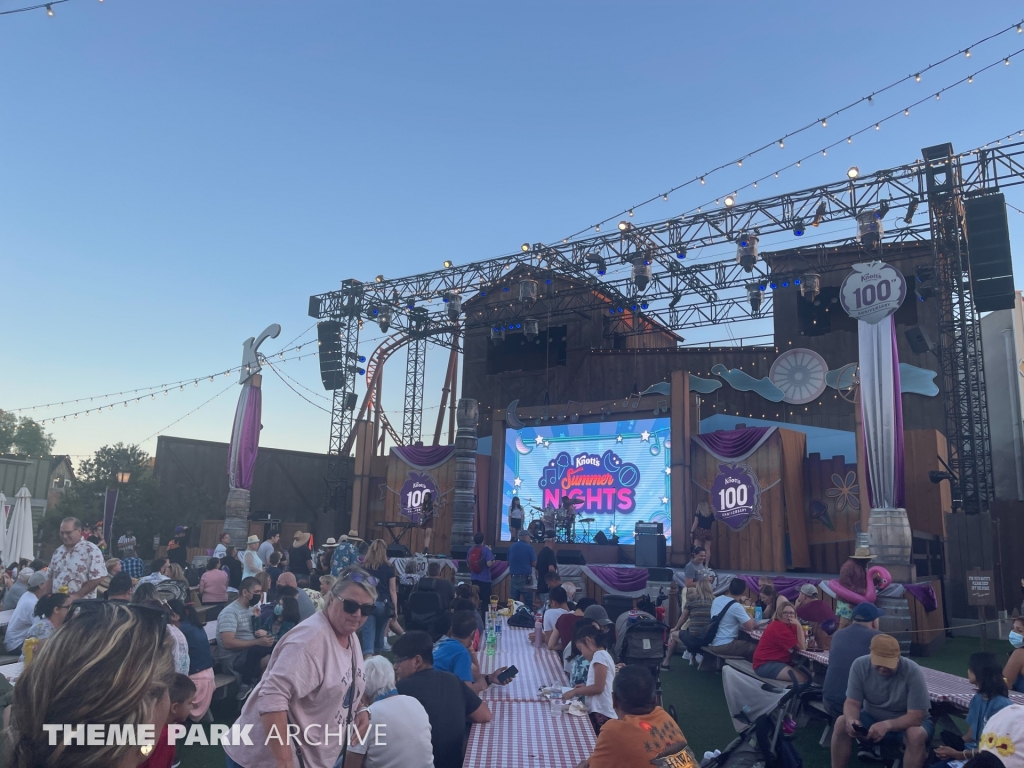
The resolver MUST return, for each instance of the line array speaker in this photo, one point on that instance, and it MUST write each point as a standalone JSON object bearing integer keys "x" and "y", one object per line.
{"x": 331, "y": 360}
{"x": 988, "y": 241}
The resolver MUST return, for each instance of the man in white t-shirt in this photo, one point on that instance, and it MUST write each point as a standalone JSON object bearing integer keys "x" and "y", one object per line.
{"x": 558, "y": 602}
{"x": 727, "y": 640}
{"x": 21, "y": 620}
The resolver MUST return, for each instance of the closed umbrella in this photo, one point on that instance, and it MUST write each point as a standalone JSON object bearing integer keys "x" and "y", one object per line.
{"x": 18, "y": 543}
{"x": 3, "y": 526}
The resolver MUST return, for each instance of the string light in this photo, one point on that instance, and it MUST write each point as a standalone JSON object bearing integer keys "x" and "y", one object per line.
{"x": 49, "y": 10}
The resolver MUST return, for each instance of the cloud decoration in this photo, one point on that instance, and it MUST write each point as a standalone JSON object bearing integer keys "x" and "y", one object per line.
{"x": 703, "y": 386}
{"x": 743, "y": 382}
{"x": 913, "y": 380}
{"x": 661, "y": 388}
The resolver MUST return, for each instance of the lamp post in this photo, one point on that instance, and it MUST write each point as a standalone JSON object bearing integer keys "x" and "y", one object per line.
{"x": 121, "y": 477}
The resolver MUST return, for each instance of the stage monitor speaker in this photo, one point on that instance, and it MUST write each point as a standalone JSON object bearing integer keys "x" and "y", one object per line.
{"x": 500, "y": 553}
{"x": 650, "y": 551}
{"x": 918, "y": 340}
{"x": 398, "y": 550}
{"x": 570, "y": 557}
{"x": 660, "y": 574}
{"x": 988, "y": 243}
{"x": 332, "y": 373}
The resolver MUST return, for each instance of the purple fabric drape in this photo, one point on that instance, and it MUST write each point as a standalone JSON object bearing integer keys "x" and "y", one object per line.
{"x": 924, "y": 594}
{"x": 734, "y": 443}
{"x": 424, "y": 456}
{"x": 245, "y": 437}
{"x": 788, "y": 587}
{"x": 498, "y": 568}
{"x": 899, "y": 488}
{"x": 621, "y": 579}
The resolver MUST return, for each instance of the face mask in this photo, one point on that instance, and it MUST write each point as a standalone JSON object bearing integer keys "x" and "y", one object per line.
{"x": 278, "y": 610}
{"x": 1017, "y": 640}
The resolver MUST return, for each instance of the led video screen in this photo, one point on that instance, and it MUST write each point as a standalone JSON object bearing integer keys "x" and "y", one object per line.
{"x": 619, "y": 471}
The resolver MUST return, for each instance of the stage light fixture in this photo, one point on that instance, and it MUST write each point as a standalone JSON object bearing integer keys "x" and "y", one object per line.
{"x": 497, "y": 335}
{"x": 531, "y": 328}
{"x": 681, "y": 253}
{"x": 624, "y": 225}
{"x": 525, "y": 247}
{"x": 810, "y": 286}
{"x": 746, "y": 252}
{"x": 448, "y": 264}
{"x": 641, "y": 274}
{"x": 730, "y": 201}
{"x": 384, "y": 319}
{"x": 644, "y": 305}
{"x": 528, "y": 293}
{"x": 819, "y": 214}
{"x": 676, "y": 298}
{"x": 853, "y": 172}
{"x": 379, "y": 278}
{"x": 869, "y": 229}
{"x": 598, "y": 261}
{"x": 925, "y": 287}
{"x": 911, "y": 210}
{"x": 754, "y": 297}
{"x": 799, "y": 229}
{"x": 454, "y": 306}
{"x": 883, "y": 208}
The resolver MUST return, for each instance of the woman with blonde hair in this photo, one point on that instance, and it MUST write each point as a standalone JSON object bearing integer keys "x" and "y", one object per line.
{"x": 127, "y": 647}
{"x": 377, "y": 565}
{"x": 174, "y": 587}
{"x": 697, "y": 612}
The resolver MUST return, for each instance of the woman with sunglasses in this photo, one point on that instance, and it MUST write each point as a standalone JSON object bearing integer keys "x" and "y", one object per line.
{"x": 49, "y": 614}
{"x": 314, "y": 678}
{"x": 125, "y": 647}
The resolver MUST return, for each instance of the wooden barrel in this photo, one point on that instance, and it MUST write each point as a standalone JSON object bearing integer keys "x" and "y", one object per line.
{"x": 897, "y": 621}
{"x": 890, "y": 537}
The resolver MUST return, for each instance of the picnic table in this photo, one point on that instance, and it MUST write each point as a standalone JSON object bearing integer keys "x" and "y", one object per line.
{"x": 5, "y": 617}
{"x": 12, "y": 671}
{"x": 523, "y": 731}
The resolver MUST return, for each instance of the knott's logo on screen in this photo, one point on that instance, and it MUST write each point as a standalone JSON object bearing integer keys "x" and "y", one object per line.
{"x": 736, "y": 495}
{"x": 606, "y": 483}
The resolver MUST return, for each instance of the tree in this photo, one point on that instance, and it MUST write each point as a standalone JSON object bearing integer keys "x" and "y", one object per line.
{"x": 23, "y": 436}
{"x": 138, "y": 503}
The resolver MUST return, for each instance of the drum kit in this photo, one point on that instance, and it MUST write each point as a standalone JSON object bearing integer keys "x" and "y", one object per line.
{"x": 560, "y": 522}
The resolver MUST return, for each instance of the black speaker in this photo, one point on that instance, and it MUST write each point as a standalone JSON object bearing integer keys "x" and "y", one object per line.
{"x": 616, "y": 605}
{"x": 988, "y": 242}
{"x": 660, "y": 574}
{"x": 570, "y": 557}
{"x": 398, "y": 550}
{"x": 650, "y": 551}
{"x": 332, "y": 374}
{"x": 918, "y": 340}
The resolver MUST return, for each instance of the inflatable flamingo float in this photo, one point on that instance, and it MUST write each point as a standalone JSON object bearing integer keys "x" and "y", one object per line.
{"x": 878, "y": 579}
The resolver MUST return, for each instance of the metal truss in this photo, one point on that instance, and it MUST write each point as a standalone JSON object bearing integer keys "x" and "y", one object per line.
{"x": 959, "y": 340}
{"x": 415, "y": 372}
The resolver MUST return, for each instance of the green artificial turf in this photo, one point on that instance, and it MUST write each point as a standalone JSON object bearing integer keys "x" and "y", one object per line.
{"x": 700, "y": 705}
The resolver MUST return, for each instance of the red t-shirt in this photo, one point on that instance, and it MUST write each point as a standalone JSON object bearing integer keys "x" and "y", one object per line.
{"x": 162, "y": 755}
{"x": 776, "y": 643}
{"x": 565, "y": 626}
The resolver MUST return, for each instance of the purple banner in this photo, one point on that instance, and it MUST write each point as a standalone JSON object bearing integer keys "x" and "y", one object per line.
{"x": 245, "y": 437}
{"x": 735, "y": 444}
{"x": 736, "y": 496}
{"x": 424, "y": 456}
{"x": 924, "y": 594}
{"x": 621, "y": 579}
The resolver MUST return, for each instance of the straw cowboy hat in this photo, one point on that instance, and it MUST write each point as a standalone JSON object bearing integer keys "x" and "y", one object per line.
{"x": 862, "y": 551}
{"x": 300, "y": 538}
{"x": 352, "y": 535}
{"x": 253, "y": 540}
{"x": 330, "y": 543}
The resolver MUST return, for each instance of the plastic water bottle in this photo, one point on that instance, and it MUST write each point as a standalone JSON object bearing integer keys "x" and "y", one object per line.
{"x": 491, "y": 643}
{"x": 758, "y": 612}
{"x": 497, "y": 627}
{"x": 538, "y": 631}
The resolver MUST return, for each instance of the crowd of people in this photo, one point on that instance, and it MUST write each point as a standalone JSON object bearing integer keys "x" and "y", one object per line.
{"x": 302, "y": 633}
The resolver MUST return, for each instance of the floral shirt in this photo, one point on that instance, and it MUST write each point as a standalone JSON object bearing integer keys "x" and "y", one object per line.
{"x": 74, "y": 567}
{"x": 181, "y": 659}
{"x": 346, "y": 554}
{"x": 41, "y": 628}
{"x": 316, "y": 598}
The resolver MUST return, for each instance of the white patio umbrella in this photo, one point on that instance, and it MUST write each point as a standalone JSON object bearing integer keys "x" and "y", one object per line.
{"x": 3, "y": 527}
{"x": 18, "y": 541}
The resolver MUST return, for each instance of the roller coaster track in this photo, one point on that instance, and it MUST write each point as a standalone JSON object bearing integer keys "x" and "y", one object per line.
{"x": 375, "y": 369}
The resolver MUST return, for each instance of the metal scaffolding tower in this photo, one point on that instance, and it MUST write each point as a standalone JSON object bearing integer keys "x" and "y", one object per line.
{"x": 412, "y": 412}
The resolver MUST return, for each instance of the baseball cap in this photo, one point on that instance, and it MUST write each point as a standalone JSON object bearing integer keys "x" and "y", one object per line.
{"x": 809, "y": 589}
{"x": 36, "y": 579}
{"x": 179, "y": 529}
{"x": 867, "y": 612}
{"x": 597, "y": 613}
{"x": 885, "y": 651}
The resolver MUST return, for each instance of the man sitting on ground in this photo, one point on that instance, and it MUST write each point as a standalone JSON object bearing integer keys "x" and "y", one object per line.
{"x": 234, "y": 631}
{"x": 558, "y": 603}
{"x": 848, "y": 644}
{"x": 451, "y": 654}
{"x": 433, "y": 582}
{"x": 450, "y": 704}
{"x": 643, "y": 729}
{"x": 886, "y": 701}
{"x": 306, "y": 607}
{"x": 120, "y": 589}
{"x": 727, "y": 642}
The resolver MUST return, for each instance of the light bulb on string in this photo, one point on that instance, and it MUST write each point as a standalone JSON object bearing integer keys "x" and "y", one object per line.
{"x": 49, "y": 10}
{"x": 824, "y": 123}
{"x": 906, "y": 111}
{"x": 967, "y": 53}
{"x": 782, "y": 144}
{"x": 918, "y": 77}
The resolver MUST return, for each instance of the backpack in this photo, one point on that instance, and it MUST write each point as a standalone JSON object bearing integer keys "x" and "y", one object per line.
{"x": 694, "y": 643}
{"x": 476, "y": 559}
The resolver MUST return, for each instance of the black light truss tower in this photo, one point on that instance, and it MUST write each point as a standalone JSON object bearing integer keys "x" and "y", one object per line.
{"x": 959, "y": 339}
{"x": 412, "y": 411}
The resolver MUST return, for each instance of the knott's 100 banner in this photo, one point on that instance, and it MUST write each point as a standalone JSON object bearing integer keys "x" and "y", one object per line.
{"x": 620, "y": 469}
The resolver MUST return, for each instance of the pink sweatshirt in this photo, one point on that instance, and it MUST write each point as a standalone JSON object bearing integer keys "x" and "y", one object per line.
{"x": 308, "y": 676}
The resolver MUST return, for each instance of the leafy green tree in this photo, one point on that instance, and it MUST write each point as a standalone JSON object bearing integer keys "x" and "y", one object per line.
{"x": 138, "y": 503}
{"x": 24, "y": 436}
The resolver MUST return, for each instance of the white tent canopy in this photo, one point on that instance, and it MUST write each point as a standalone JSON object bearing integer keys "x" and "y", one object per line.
{"x": 3, "y": 526}
{"x": 18, "y": 541}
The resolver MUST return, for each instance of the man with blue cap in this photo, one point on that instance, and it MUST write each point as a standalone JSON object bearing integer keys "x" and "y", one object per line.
{"x": 848, "y": 644}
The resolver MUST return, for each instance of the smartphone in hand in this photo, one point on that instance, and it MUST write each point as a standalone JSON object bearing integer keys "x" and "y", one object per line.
{"x": 508, "y": 674}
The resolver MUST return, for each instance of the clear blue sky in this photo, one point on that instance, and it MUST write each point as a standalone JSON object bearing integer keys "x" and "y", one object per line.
{"x": 175, "y": 176}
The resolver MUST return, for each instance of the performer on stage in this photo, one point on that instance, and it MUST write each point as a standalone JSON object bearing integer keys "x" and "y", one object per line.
{"x": 515, "y": 518}
{"x": 427, "y": 520}
{"x": 569, "y": 517}
{"x": 701, "y": 528}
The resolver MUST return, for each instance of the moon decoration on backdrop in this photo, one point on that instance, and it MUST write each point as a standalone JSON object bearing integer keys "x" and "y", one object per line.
{"x": 510, "y": 415}
{"x": 800, "y": 374}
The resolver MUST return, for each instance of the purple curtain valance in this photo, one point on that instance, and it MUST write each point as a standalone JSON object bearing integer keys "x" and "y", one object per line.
{"x": 424, "y": 456}
{"x": 734, "y": 444}
{"x": 924, "y": 594}
{"x": 618, "y": 580}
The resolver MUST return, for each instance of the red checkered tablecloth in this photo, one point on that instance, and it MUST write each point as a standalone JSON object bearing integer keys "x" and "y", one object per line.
{"x": 525, "y": 734}
{"x": 538, "y": 667}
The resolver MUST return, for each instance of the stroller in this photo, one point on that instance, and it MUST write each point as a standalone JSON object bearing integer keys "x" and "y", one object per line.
{"x": 761, "y": 713}
{"x": 643, "y": 642}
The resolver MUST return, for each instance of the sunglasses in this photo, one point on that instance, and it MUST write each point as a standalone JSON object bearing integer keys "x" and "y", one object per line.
{"x": 352, "y": 607}
{"x": 358, "y": 575}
